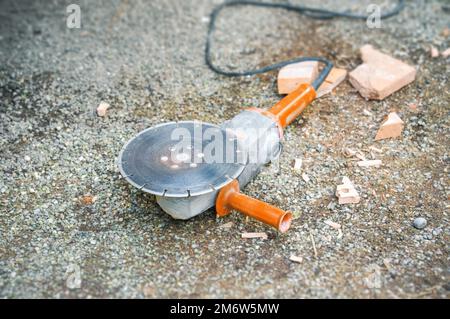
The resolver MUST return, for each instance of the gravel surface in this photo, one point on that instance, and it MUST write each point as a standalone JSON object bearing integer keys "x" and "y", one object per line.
{"x": 70, "y": 226}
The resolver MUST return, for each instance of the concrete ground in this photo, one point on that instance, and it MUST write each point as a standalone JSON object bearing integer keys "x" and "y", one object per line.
{"x": 145, "y": 58}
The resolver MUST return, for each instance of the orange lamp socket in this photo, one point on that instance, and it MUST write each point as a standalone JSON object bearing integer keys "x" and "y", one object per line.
{"x": 230, "y": 198}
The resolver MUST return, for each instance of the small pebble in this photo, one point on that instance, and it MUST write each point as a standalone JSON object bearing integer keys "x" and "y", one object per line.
{"x": 420, "y": 223}
{"x": 436, "y": 231}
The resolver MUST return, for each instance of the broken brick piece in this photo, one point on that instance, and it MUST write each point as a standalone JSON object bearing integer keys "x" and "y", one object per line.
{"x": 434, "y": 52}
{"x": 380, "y": 75}
{"x": 296, "y": 259}
{"x": 342, "y": 190}
{"x": 292, "y": 75}
{"x": 391, "y": 127}
{"x": 334, "y": 78}
{"x": 347, "y": 193}
{"x": 345, "y": 187}
{"x": 88, "y": 199}
{"x": 446, "y": 53}
{"x": 351, "y": 197}
{"x": 101, "y": 109}
{"x": 413, "y": 107}
{"x": 346, "y": 181}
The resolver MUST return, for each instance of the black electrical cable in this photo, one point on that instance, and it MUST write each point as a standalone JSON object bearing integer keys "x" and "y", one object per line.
{"x": 314, "y": 13}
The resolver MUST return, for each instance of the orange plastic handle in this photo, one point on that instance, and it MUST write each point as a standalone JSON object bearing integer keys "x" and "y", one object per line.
{"x": 292, "y": 105}
{"x": 231, "y": 198}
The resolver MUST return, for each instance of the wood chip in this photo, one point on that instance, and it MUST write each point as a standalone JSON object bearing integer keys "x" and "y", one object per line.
{"x": 254, "y": 235}
{"x": 296, "y": 259}
{"x": 392, "y": 127}
{"x": 305, "y": 177}
{"x": 333, "y": 224}
{"x": 369, "y": 163}
{"x": 101, "y": 109}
